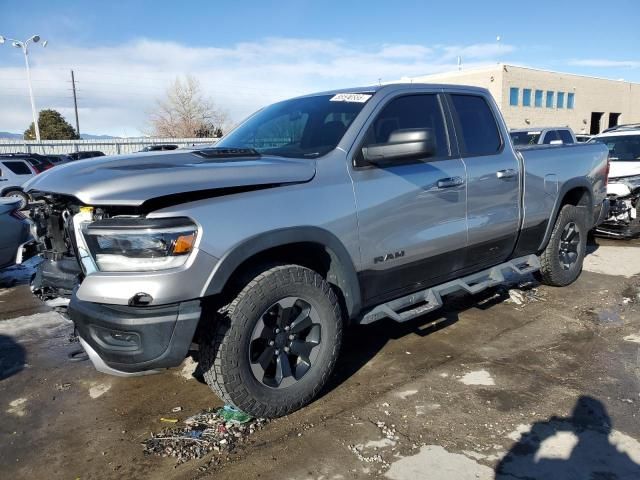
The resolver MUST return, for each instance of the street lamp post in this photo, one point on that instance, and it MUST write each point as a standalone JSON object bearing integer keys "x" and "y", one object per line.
{"x": 24, "y": 46}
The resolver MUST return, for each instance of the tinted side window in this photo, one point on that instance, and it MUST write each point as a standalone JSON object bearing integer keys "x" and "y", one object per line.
{"x": 412, "y": 111}
{"x": 550, "y": 136}
{"x": 479, "y": 133}
{"x": 565, "y": 136}
{"x": 19, "y": 168}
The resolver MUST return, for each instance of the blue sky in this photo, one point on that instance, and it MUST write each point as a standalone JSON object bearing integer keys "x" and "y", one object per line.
{"x": 246, "y": 54}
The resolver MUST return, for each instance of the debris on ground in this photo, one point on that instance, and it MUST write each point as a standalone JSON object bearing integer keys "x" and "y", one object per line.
{"x": 169, "y": 420}
{"x": 522, "y": 293}
{"x": 63, "y": 387}
{"x": 231, "y": 414}
{"x": 219, "y": 430}
{"x": 176, "y": 409}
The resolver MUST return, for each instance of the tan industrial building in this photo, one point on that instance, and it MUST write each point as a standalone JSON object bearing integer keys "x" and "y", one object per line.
{"x": 537, "y": 98}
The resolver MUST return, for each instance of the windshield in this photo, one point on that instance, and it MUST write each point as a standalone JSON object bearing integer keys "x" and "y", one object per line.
{"x": 302, "y": 128}
{"x": 621, "y": 147}
{"x": 525, "y": 138}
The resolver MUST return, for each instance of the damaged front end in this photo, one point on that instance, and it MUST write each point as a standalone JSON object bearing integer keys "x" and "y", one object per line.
{"x": 60, "y": 272}
{"x": 59, "y": 223}
{"x": 624, "y": 202}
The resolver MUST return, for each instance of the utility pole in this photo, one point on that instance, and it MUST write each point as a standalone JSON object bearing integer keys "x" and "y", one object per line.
{"x": 75, "y": 102}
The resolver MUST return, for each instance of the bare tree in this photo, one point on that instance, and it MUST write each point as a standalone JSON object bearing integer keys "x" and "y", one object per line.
{"x": 186, "y": 112}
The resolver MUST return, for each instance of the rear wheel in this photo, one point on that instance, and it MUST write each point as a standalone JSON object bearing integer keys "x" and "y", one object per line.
{"x": 561, "y": 261}
{"x": 274, "y": 346}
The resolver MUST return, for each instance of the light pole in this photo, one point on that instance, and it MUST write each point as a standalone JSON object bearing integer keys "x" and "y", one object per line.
{"x": 24, "y": 46}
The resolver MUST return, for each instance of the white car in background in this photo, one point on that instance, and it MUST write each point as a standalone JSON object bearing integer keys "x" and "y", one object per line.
{"x": 623, "y": 189}
{"x": 14, "y": 172}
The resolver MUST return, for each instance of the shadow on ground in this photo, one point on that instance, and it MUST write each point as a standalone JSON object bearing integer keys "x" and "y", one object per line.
{"x": 12, "y": 357}
{"x": 582, "y": 446}
{"x": 361, "y": 343}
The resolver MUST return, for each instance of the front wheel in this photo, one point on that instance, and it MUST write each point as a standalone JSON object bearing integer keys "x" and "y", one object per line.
{"x": 275, "y": 345}
{"x": 561, "y": 261}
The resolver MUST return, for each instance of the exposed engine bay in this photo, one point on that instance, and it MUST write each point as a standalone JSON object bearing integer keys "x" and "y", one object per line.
{"x": 57, "y": 219}
{"x": 624, "y": 202}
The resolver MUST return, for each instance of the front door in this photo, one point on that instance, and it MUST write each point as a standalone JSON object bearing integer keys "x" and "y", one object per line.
{"x": 411, "y": 214}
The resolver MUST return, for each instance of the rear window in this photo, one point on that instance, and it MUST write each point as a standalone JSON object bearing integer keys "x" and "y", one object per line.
{"x": 565, "y": 136}
{"x": 550, "y": 136}
{"x": 525, "y": 138}
{"x": 621, "y": 147}
{"x": 479, "y": 132}
{"x": 18, "y": 168}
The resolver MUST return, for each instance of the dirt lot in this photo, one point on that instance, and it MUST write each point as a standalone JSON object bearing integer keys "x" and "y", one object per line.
{"x": 541, "y": 383}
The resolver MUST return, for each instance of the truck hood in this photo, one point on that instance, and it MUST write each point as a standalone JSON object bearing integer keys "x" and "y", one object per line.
{"x": 135, "y": 179}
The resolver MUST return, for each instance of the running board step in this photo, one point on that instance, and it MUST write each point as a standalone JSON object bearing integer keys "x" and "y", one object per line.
{"x": 430, "y": 299}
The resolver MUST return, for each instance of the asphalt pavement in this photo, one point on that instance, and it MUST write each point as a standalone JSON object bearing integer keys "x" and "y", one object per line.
{"x": 529, "y": 382}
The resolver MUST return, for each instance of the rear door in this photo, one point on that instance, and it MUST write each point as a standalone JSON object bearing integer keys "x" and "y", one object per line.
{"x": 411, "y": 213}
{"x": 493, "y": 180}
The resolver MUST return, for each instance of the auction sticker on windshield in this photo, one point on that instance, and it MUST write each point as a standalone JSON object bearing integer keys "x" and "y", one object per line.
{"x": 351, "y": 97}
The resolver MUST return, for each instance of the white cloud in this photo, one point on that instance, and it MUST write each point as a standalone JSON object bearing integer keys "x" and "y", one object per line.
{"x": 605, "y": 63}
{"x": 119, "y": 84}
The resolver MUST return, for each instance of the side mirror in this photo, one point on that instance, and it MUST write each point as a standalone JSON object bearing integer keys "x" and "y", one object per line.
{"x": 556, "y": 142}
{"x": 403, "y": 144}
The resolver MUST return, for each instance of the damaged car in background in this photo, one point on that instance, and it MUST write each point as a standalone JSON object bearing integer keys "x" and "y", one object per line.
{"x": 623, "y": 190}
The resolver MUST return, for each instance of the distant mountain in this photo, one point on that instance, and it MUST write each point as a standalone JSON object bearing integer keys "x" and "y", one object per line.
{"x": 6, "y": 135}
{"x": 89, "y": 136}
{"x": 84, "y": 136}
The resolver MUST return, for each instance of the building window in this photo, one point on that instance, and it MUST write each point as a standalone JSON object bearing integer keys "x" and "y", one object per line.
{"x": 560, "y": 103}
{"x": 539, "y": 98}
{"x": 526, "y": 97}
{"x": 570, "y": 100}
{"x": 514, "y": 93}
{"x": 549, "y": 99}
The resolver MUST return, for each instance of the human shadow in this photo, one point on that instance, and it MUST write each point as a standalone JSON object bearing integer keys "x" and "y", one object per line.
{"x": 12, "y": 357}
{"x": 582, "y": 446}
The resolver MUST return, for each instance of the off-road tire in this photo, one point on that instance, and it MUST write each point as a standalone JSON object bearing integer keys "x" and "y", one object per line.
{"x": 224, "y": 352}
{"x": 551, "y": 269}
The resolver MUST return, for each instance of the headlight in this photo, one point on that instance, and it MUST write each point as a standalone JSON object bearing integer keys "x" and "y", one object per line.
{"x": 140, "y": 245}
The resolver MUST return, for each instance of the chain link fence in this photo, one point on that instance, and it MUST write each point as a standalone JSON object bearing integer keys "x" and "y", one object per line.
{"x": 112, "y": 146}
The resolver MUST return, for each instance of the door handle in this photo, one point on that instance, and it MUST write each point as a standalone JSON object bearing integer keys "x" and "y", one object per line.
{"x": 450, "y": 182}
{"x": 4, "y": 179}
{"x": 508, "y": 173}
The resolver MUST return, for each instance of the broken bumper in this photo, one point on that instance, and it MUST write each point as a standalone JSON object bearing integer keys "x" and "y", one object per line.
{"x": 122, "y": 340}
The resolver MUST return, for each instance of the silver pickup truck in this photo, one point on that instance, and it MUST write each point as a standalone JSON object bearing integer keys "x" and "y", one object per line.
{"x": 316, "y": 212}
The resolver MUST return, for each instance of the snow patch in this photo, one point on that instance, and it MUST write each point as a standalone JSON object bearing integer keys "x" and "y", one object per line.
{"x": 610, "y": 260}
{"x": 557, "y": 447}
{"x": 479, "y": 377}
{"x": 17, "y": 407}
{"x": 436, "y": 463}
{"x": 97, "y": 390}
{"x": 406, "y": 393}
{"x": 382, "y": 443}
{"x": 40, "y": 322}
{"x": 635, "y": 338}
{"x": 520, "y": 430}
{"x": 188, "y": 367}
